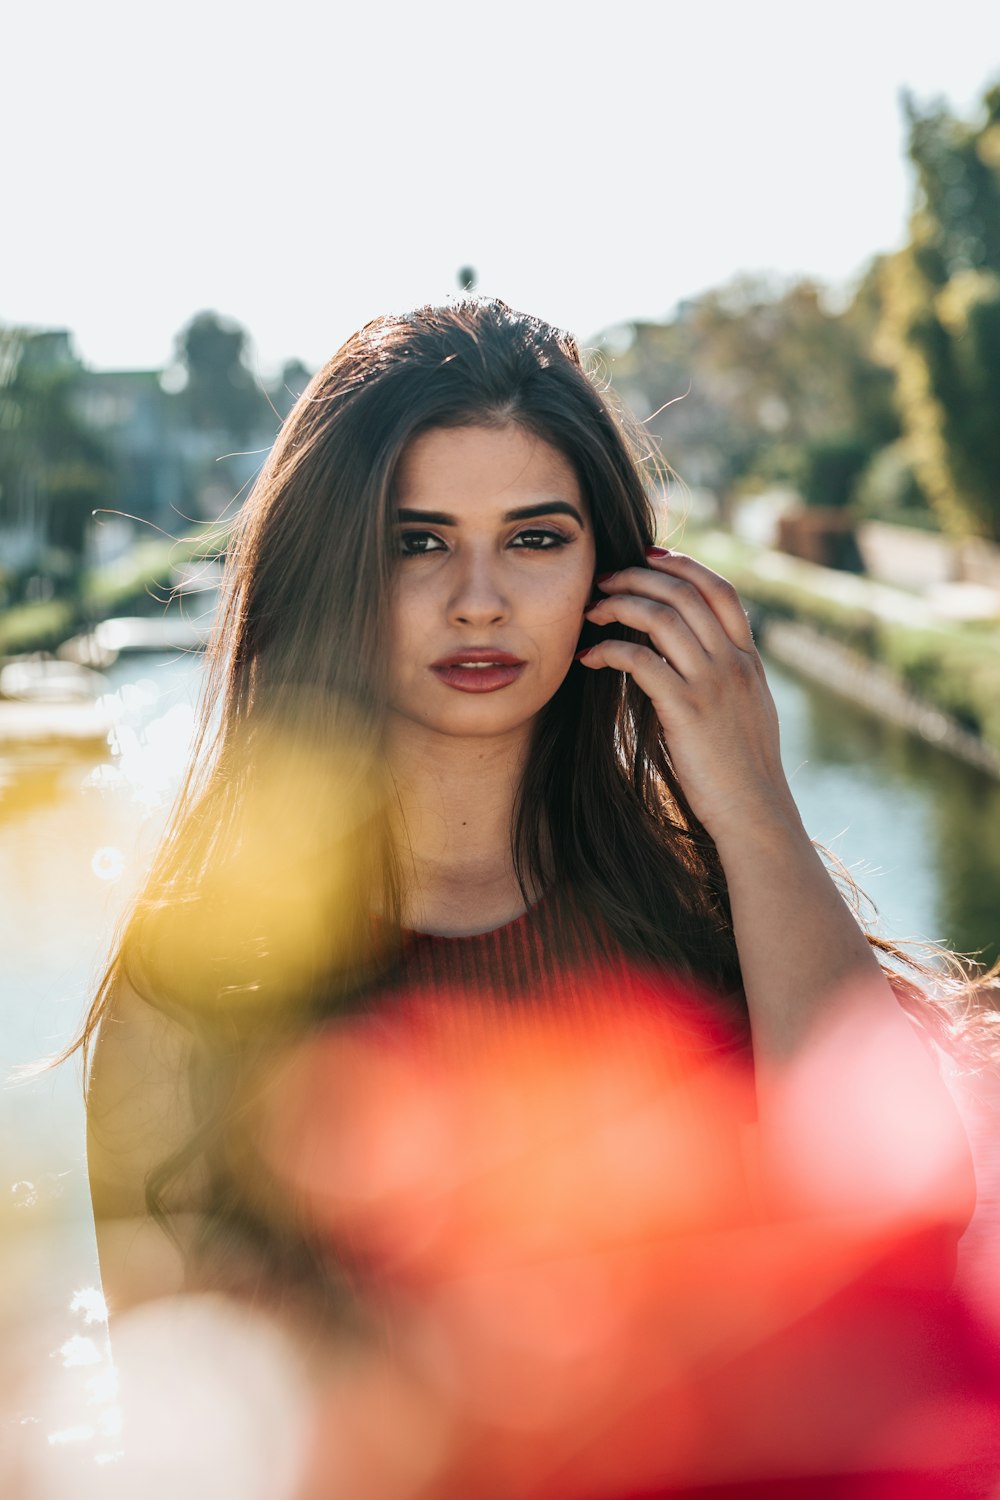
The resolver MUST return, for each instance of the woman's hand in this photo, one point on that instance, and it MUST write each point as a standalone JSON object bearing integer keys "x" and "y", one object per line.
{"x": 704, "y": 677}
{"x": 815, "y": 994}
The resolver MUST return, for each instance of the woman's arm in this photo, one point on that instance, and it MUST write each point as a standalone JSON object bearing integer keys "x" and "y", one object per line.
{"x": 820, "y": 1007}
{"x": 798, "y": 941}
{"x": 138, "y": 1115}
{"x": 855, "y": 1119}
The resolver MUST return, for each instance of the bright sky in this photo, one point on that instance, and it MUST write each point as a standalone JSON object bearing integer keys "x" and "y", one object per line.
{"x": 302, "y": 167}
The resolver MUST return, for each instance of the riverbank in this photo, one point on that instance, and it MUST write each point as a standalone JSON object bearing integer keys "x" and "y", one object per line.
{"x": 881, "y": 646}
{"x": 135, "y": 582}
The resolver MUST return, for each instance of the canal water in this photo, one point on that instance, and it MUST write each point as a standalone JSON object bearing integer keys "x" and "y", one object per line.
{"x": 917, "y": 830}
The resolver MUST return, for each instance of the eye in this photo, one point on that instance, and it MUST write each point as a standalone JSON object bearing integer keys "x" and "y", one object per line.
{"x": 415, "y": 543}
{"x": 540, "y": 541}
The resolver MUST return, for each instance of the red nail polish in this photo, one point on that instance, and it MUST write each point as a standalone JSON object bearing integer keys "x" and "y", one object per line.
{"x": 603, "y": 577}
{"x": 658, "y": 552}
{"x": 585, "y": 652}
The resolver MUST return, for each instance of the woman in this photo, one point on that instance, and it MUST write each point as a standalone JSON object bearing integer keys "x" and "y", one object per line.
{"x": 464, "y": 723}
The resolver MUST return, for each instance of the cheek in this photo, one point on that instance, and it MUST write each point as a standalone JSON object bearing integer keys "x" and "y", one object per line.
{"x": 411, "y": 607}
{"x": 406, "y": 629}
{"x": 565, "y": 599}
{"x": 558, "y": 625}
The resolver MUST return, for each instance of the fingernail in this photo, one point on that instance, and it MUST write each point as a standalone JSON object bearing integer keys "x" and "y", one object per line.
{"x": 657, "y": 552}
{"x": 603, "y": 577}
{"x": 585, "y": 652}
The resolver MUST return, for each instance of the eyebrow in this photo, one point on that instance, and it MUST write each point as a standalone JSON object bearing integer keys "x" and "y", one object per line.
{"x": 523, "y": 513}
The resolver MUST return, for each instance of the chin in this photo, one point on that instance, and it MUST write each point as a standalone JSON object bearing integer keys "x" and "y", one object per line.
{"x": 476, "y": 718}
{"x": 480, "y": 721}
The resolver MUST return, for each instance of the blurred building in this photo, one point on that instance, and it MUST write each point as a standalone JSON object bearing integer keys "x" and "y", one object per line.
{"x": 130, "y": 411}
{"x": 151, "y": 465}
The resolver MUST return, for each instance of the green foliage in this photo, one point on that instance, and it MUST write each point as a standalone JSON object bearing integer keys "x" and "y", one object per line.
{"x": 831, "y": 470}
{"x": 762, "y": 382}
{"x": 35, "y": 627}
{"x": 750, "y": 379}
{"x": 954, "y": 669}
{"x": 957, "y": 217}
{"x": 959, "y": 673}
{"x": 53, "y": 468}
{"x": 941, "y": 324}
{"x": 890, "y": 489}
{"x": 130, "y": 583}
{"x": 143, "y": 573}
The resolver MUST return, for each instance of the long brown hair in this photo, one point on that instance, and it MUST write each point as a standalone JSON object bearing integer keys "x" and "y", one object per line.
{"x": 296, "y": 674}
{"x": 300, "y": 644}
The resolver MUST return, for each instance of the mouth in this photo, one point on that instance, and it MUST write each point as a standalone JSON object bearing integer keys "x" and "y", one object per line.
{"x": 478, "y": 670}
{"x": 478, "y": 656}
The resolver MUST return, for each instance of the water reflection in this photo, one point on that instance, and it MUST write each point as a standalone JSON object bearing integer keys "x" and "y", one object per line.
{"x": 27, "y": 785}
{"x": 919, "y": 829}
{"x": 152, "y": 734}
{"x": 77, "y": 828}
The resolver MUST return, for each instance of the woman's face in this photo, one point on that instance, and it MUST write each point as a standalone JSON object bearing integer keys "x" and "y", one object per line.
{"x": 496, "y": 557}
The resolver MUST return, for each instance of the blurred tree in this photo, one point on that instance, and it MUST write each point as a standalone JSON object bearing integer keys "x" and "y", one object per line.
{"x": 765, "y": 372}
{"x": 890, "y": 490}
{"x": 467, "y": 278}
{"x": 220, "y": 390}
{"x": 831, "y": 470}
{"x": 869, "y": 381}
{"x": 54, "y": 470}
{"x": 941, "y": 323}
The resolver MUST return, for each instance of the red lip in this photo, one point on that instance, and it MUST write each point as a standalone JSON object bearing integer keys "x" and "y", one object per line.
{"x": 476, "y": 653}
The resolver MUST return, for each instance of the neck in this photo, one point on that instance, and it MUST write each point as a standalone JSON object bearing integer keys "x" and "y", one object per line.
{"x": 455, "y": 805}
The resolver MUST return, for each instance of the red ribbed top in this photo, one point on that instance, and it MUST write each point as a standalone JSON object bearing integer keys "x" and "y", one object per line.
{"x": 521, "y": 959}
{"x": 554, "y": 953}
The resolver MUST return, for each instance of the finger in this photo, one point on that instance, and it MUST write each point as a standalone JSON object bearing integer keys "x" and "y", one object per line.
{"x": 655, "y": 676}
{"x": 668, "y": 631}
{"x": 682, "y": 596}
{"x": 720, "y": 593}
{"x": 717, "y": 592}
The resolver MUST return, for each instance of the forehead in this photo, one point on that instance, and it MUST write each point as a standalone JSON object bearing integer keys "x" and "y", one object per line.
{"x": 473, "y": 467}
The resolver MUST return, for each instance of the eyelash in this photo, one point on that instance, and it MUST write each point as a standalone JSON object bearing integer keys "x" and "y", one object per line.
{"x": 554, "y": 536}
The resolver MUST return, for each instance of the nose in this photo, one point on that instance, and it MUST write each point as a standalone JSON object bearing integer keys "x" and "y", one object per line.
{"x": 477, "y": 597}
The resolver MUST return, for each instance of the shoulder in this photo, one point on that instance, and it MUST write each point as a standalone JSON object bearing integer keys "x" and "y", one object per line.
{"x": 139, "y": 1109}
{"x": 139, "y": 1117}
